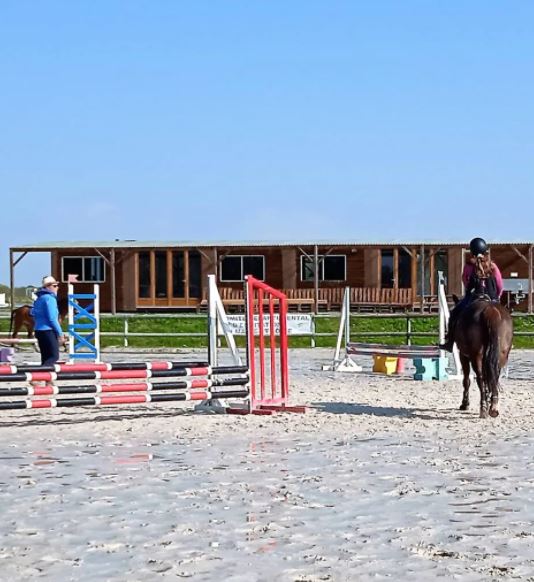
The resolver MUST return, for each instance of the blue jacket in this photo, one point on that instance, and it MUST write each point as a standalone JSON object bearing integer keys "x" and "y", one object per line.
{"x": 45, "y": 312}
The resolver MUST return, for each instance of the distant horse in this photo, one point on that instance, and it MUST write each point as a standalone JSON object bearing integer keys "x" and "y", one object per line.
{"x": 484, "y": 334}
{"x": 22, "y": 318}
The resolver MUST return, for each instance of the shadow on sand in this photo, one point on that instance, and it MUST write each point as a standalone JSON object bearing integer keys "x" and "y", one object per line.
{"x": 84, "y": 417}
{"x": 388, "y": 411}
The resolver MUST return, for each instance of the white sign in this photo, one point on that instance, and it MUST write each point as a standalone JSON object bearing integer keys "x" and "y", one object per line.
{"x": 297, "y": 324}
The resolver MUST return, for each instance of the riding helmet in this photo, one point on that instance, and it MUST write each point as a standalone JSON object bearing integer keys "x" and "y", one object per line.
{"x": 478, "y": 246}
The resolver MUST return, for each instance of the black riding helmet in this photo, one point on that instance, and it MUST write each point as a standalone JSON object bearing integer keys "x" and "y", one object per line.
{"x": 478, "y": 246}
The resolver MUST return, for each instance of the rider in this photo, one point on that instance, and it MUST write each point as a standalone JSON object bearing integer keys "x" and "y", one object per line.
{"x": 481, "y": 278}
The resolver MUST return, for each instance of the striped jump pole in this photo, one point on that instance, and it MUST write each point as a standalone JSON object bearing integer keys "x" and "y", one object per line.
{"x": 263, "y": 383}
{"x": 123, "y": 399}
{"x": 120, "y": 374}
{"x": 101, "y": 367}
{"x": 14, "y": 341}
{"x": 52, "y": 390}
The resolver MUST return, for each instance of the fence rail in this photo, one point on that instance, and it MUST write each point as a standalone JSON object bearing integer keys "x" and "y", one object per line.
{"x": 408, "y": 335}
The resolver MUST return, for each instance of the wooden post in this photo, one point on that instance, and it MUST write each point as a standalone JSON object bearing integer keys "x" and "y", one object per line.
{"x": 11, "y": 280}
{"x": 113, "y": 284}
{"x": 422, "y": 268}
{"x": 408, "y": 330}
{"x": 395, "y": 268}
{"x": 316, "y": 276}
{"x": 530, "y": 279}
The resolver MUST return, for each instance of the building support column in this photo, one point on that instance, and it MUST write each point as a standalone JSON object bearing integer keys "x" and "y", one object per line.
{"x": 113, "y": 284}
{"x": 530, "y": 279}
{"x": 316, "y": 276}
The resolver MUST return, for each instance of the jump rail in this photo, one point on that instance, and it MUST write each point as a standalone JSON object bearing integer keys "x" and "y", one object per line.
{"x": 344, "y": 363}
{"x": 262, "y": 383}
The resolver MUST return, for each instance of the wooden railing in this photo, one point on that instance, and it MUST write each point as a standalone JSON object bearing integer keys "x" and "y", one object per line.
{"x": 329, "y": 299}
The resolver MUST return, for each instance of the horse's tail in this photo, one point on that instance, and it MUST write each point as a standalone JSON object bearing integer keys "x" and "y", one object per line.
{"x": 491, "y": 368}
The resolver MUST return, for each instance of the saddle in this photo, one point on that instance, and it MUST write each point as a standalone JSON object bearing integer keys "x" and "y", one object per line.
{"x": 482, "y": 297}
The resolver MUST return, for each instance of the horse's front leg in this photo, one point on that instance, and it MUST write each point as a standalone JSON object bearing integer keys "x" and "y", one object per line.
{"x": 466, "y": 382}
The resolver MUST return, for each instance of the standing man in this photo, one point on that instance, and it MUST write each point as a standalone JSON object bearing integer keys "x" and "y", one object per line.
{"x": 45, "y": 312}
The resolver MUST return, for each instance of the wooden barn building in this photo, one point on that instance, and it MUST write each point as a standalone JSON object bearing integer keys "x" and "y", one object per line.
{"x": 153, "y": 275}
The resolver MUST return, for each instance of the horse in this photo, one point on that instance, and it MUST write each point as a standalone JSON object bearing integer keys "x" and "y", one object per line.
{"x": 483, "y": 334}
{"x": 21, "y": 317}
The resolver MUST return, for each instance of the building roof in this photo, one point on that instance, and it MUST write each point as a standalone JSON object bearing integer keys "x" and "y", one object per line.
{"x": 140, "y": 244}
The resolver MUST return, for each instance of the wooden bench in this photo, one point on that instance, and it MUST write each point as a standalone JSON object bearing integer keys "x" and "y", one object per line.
{"x": 374, "y": 298}
{"x": 230, "y": 297}
{"x": 331, "y": 298}
{"x": 328, "y": 299}
{"x": 301, "y": 299}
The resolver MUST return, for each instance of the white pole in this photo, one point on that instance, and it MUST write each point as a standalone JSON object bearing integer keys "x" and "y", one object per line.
{"x": 444, "y": 319}
{"x": 96, "y": 312}
{"x": 342, "y": 328}
{"x": 346, "y": 301}
{"x": 71, "y": 322}
{"x": 212, "y": 321}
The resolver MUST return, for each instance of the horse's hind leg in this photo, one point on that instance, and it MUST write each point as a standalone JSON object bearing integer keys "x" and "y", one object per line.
{"x": 484, "y": 395}
{"x": 466, "y": 382}
{"x": 494, "y": 406}
{"x": 31, "y": 335}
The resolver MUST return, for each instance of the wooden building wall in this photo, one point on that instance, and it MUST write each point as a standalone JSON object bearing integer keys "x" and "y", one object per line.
{"x": 283, "y": 270}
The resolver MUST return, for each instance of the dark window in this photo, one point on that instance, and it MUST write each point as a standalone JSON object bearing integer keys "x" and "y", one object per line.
{"x": 72, "y": 266}
{"x": 88, "y": 269}
{"x": 307, "y": 269}
{"x": 405, "y": 269}
{"x": 178, "y": 274}
{"x": 195, "y": 274}
{"x": 387, "y": 269}
{"x": 93, "y": 268}
{"x": 441, "y": 263}
{"x": 144, "y": 275}
{"x": 253, "y": 266}
{"x": 231, "y": 269}
{"x": 235, "y": 267}
{"x": 161, "y": 274}
{"x": 423, "y": 283}
{"x": 330, "y": 268}
{"x": 334, "y": 268}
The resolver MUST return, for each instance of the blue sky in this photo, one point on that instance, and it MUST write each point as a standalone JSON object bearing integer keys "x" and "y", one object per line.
{"x": 233, "y": 119}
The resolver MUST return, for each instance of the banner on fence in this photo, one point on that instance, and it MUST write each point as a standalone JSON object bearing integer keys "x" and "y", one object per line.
{"x": 297, "y": 324}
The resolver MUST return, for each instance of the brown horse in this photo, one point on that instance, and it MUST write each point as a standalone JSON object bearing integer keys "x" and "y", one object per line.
{"x": 484, "y": 334}
{"x": 22, "y": 318}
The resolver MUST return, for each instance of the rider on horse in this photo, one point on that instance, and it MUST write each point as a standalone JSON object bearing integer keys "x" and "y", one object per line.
{"x": 482, "y": 279}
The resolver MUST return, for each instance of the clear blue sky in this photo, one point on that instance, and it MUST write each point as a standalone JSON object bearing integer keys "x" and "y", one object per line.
{"x": 264, "y": 119}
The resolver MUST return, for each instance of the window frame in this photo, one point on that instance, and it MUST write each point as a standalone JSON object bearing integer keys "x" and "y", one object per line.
{"x": 221, "y": 280}
{"x": 64, "y": 278}
{"x": 321, "y": 268}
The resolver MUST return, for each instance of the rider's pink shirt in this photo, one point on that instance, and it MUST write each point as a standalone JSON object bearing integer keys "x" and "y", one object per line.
{"x": 469, "y": 269}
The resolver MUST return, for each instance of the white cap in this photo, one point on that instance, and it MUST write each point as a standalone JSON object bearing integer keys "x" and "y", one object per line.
{"x": 49, "y": 280}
